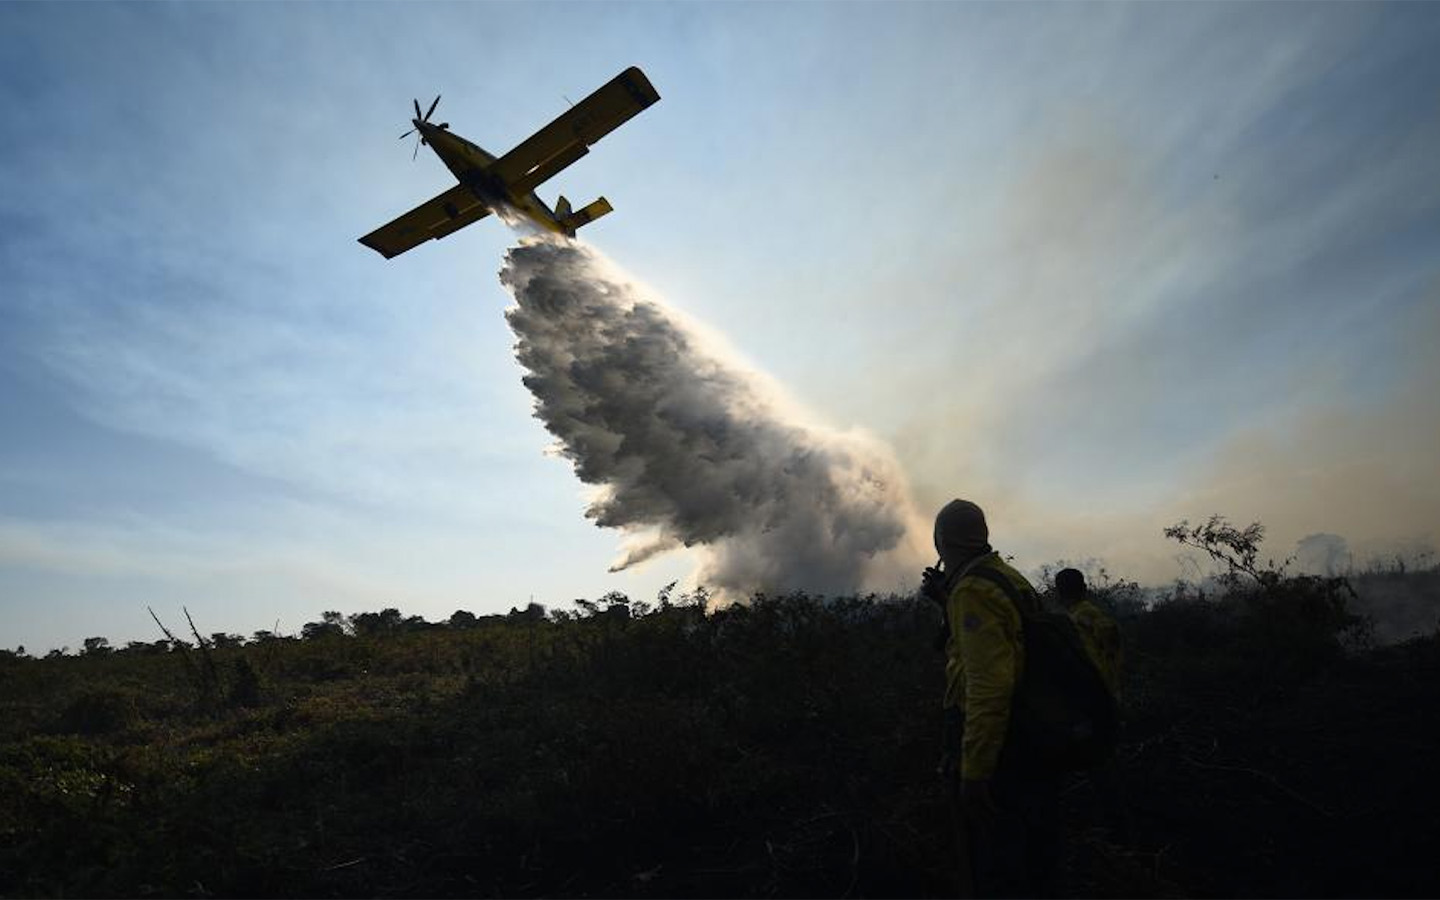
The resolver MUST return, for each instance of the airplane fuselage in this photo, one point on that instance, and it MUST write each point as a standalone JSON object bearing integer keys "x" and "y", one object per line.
{"x": 505, "y": 185}
{"x": 469, "y": 163}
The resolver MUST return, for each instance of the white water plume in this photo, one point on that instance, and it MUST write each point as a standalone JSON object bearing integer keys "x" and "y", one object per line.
{"x": 688, "y": 448}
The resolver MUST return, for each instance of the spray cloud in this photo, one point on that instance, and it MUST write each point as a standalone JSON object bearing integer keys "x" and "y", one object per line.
{"x": 687, "y": 448}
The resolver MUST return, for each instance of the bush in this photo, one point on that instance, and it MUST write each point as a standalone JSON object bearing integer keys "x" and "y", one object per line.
{"x": 99, "y": 711}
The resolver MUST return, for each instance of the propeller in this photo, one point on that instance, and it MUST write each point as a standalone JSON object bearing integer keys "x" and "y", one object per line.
{"x": 418, "y": 120}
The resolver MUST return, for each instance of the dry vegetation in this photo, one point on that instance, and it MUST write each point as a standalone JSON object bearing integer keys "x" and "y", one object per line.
{"x": 784, "y": 749}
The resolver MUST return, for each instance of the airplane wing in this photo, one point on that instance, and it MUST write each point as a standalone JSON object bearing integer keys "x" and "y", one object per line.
{"x": 557, "y": 145}
{"x": 435, "y": 218}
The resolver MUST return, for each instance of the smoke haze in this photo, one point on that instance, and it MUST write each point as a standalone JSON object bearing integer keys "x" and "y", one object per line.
{"x": 686, "y": 447}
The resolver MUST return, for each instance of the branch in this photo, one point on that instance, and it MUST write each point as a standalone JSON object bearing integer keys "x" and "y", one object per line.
{"x": 210, "y": 671}
{"x": 179, "y": 644}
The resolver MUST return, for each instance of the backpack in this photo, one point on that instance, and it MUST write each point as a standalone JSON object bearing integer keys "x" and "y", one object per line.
{"x": 1062, "y": 717}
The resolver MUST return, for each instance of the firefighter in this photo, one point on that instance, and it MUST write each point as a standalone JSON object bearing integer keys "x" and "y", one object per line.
{"x": 1099, "y": 632}
{"x": 1106, "y": 650}
{"x": 1008, "y": 814}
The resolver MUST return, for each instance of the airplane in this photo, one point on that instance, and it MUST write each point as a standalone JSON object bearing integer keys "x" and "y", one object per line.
{"x": 487, "y": 183}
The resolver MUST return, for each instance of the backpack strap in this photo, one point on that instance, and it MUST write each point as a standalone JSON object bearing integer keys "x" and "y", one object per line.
{"x": 1024, "y": 604}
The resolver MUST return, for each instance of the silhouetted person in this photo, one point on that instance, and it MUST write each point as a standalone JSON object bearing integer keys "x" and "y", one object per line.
{"x": 1008, "y": 812}
{"x": 1099, "y": 632}
{"x": 1106, "y": 649}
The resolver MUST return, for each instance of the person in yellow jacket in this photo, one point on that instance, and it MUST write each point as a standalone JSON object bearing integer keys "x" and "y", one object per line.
{"x": 1098, "y": 631}
{"x": 1010, "y": 815}
{"x": 1103, "y": 644}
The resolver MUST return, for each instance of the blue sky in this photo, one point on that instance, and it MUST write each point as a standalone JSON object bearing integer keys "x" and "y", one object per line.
{"x": 1097, "y": 267}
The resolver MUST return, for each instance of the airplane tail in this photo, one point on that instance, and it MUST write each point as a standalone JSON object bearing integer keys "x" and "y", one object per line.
{"x": 583, "y": 216}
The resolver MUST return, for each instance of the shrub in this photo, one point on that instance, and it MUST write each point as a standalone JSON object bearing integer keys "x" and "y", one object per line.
{"x": 99, "y": 711}
{"x": 244, "y": 689}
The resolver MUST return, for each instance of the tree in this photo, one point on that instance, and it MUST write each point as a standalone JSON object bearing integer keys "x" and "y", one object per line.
{"x": 534, "y": 612}
{"x": 1237, "y": 549}
{"x": 462, "y": 619}
{"x": 331, "y": 624}
{"x": 96, "y": 646}
{"x": 614, "y": 598}
{"x": 386, "y": 621}
{"x": 614, "y": 606}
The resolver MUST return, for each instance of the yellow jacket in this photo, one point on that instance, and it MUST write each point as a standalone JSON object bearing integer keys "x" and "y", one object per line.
{"x": 985, "y": 655}
{"x": 1102, "y": 642}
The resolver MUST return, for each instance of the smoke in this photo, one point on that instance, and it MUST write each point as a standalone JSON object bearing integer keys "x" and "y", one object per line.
{"x": 1322, "y": 554}
{"x": 688, "y": 448}
{"x": 1400, "y": 604}
{"x": 1398, "y": 592}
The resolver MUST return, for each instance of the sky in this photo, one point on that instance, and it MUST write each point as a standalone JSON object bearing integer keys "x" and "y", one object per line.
{"x": 1097, "y": 267}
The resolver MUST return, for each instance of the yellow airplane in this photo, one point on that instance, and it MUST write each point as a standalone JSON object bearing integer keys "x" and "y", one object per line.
{"x": 487, "y": 183}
